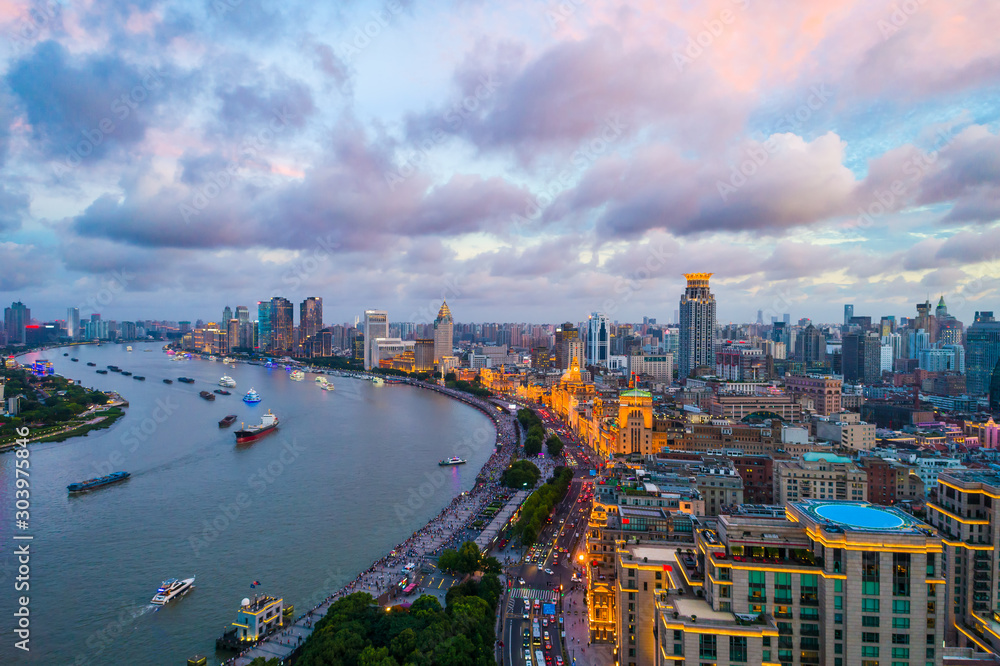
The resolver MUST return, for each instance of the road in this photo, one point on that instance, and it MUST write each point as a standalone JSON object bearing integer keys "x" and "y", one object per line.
{"x": 559, "y": 549}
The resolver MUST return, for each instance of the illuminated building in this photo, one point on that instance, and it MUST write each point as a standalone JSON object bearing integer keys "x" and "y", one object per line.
{"x": 310, "y": 317}
{"x": 263, "y": 326}
{"x": 15, "y": 318}
{"x": 444, "y": 333}
{"x": 376, "y": 326}
{"x": 73, "y": 322}
{"x": 598, "y": 339}
{"x": 282, "y": 325}
{"x": 697, "y": 325}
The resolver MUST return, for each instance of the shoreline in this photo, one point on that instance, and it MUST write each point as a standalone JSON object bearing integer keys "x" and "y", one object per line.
{"x": 416, "y": 548}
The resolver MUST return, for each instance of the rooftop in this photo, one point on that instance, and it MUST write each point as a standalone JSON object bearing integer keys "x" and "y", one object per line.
{"x": 859, "y": 516}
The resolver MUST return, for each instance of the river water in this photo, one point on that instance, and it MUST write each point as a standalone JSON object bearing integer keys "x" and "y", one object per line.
{"x": 349, "y": 474}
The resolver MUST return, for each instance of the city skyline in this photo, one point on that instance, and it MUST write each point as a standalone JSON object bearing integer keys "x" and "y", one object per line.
{"x": 546, "y": 156}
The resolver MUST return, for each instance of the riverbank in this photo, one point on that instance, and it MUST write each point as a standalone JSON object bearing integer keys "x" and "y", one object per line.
{"x": 446, "y": 530}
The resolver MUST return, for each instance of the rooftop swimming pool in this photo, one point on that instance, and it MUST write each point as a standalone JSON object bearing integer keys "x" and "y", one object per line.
{"x": 861, "y": 517}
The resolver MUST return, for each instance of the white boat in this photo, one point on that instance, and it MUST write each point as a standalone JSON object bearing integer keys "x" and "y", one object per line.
{"x": 451, "y": 461}
{"x": 297, "y": 376}
{"x": 227, "y": 360}
{"x": 129, "y": 348}
{"x": 378, "y": 381}
{"x": 172, "y": 588}
{"x": 326, "y": 386}
{"x": 211, "y": 358}
{"x": 321, "y": 380}
{"x": 228, "y": 381}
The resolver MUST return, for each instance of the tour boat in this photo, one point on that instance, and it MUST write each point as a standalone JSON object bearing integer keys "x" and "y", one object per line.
{"x": 297, "y": 376}
{"x": 321, "y": 380}
{"x": 227, "y": 381}
{"x": 129, "y": 348}
{"x": 452, "y": 461}
{"x": 252, "y": 397}
{"x": 171, "y": 589}
{"x": 326, "y": 387}
{"x": 268, "y": 423}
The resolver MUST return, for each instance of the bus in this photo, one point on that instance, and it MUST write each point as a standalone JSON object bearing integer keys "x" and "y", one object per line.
{"x": 539, "y": 657}
{"x": 536, "y": 634}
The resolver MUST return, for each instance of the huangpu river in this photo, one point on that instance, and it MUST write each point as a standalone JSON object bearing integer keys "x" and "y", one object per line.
{"x": 346, "y": 477}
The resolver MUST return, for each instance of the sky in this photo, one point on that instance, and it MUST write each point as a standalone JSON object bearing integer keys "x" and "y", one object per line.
{"x": 527, "y": 160}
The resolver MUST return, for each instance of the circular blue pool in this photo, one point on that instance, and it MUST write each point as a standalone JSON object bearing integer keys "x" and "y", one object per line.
{"x": 864, "y": 517}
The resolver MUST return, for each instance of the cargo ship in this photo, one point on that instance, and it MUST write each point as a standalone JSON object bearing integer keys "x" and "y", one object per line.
{"x": 90, "y": 484}
{"x": 221, "y": 392}
{"x": 186, "y": 380}
{"x": 207, "y": 396}
{"x": 168, "y": 381}
{"x": 268, "y": 423}
{"x": 228, "y": 421}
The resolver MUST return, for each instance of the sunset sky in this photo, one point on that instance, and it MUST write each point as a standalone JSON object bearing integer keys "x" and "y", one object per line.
{"x": 530, "y": 161}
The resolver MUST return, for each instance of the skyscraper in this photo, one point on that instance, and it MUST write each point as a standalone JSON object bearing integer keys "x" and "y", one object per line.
{"x": 264, "y": 326}
{"x": 376, "y": 326}
{"x": 73, "y": 322}
{"x": 246, "y": 330}
{"x": 982, "y": 353}
{"x": 310, "y": 317}
{"x": 697, "y": 325}
{"x": 15, "y": 318}
{"x": 598, "y": 339}
{"x": 444, "y": 331}
{"x": 810, "y": 345}
{"x": 861, "y": 358}
{"x": 995, "y": 389}
{"x": 568, "y": 346}
{"x": 848, "y": 313}
{"x": 282, "y": 325}
{"x": 227, "y": 314}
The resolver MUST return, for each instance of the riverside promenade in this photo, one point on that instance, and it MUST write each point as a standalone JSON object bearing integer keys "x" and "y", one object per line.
{"x": 446, "y": 530}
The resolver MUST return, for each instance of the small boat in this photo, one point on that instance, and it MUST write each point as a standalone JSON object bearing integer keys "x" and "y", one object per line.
{"x": 129, "y": 348}
{"x": 252, "y": 397}
{"x": 378, "y": 381}
{"x": 90, "y": 484}
{"x": 268, "y": 423}
{"x": 114, "y": 368}
{"x": 168, "y": 381}
{"x": 65, "y": 354}
{"x": 75, "y": 360}
{"x": 297, "y": 376}
{"x": 141, "y": 379}
{"x": 91, "y": 364}
{"x": 186, "y": 380}
{"x": 452, "y": 461}
{"x": 221, "y": 392}
{"x": 227, "y": 381}
{"x": 126, "y": 373}
{"x": 102, "y": 372}
{"x": 321, "y": 380}
{"x": 326, "y": 387}
{"x": 171, "y": 589}
{"x": 212, "y": 357}
{"x": 206, "y": 395}
{"x": 228, "y": 421}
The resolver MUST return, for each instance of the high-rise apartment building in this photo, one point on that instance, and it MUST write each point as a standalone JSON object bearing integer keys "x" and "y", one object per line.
{"x": 310, "y": 317}
{"x": 848, "y": 314}
{"x": 227, "y": 314}
{"x": 282, "y": 325}
{"x": 861, "y": 356}
{"x": 568, "y": 346}
{"x": 444, "y": 333}
{"x": 598, "y": 339}
{"x": 264, "y": 326}
{"x": 697, "y": 325}
{"x": 982, "y": 351}
{"x": 810, "y": 346}
{"x": 73, "y": 322}
{"x": 376, "y": 326}
{"x": 246, "y": 336}
{"x": 15, "y": 318}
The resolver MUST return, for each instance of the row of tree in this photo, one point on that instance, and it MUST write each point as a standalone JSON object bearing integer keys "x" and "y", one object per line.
{"x": 467, "y": 560}
{"x": 520, "y": 472}
{"x": 535, "y": 431}
{"x": 538, "y": 507}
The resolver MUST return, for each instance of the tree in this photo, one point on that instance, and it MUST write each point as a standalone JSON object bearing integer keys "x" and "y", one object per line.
{"x": 554, "y": 445}
{"x": 532, "y": 446}
{"x": 372, "y": 656}
{"x": 449, "y": 560}
{"x": 426, "y": 603}
{"x": 491, "y": 565}
{"x": 469, "y": 557}
{"x": 521, "y": 472}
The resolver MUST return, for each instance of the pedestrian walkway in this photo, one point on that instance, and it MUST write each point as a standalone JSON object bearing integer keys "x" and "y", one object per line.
{"x": 530, "y": 593}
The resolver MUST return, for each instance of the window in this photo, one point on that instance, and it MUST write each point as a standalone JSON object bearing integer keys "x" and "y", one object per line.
{"x": 900, "y": 623}
{"x": 869, "y": 620}
{"x": 930, "y": 564}
{"x": 870, "y": 587}
{"x": 870, "y": 566}
{"x": 901, "y": 653}
{"x": 869, "y": 637}
{"x": 901, "y": 606}
{"x": 809, "y": 592}
{"x": 738, "y": 648}
{"x": 838, "y": 618}
{"x": 706, "y": 646}
{"x": 871, "y": 605}
{"x": 869, "y": 651}
{"x": 901, "y": 574}
{"x": 758, "y": 585}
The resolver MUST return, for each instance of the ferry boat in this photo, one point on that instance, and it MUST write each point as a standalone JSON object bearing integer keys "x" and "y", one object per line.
{"x": 252, "y": 397}
{"x": 206, "y": 395}
{"x": 221, "y": 392}
{"x": 227, "y": 381}
{"x": 186, "y": 380}
{"x": 90, "y": 484}
{"x": 171, "y": 589}
{"x": 378, "y": 381}
{"x": 228, "y": 360}
{"x": 452, "y": 461}
{"x": 168, "y": 381}
{"x": 297, "y": 376}
{"x": 228, "y": 421}
{"x": 327, "y": 386}
{"x": 268, "y": 423}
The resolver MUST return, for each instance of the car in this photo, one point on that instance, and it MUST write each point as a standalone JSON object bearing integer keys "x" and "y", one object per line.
{"x": 525, "y": 642}
{"x": 548, "y": 659}
{"x": 559, "y": 660}
{"x": 540, "y": 566}
{"x": 520, "y": 581}
{"x": 548, "y": 571}
{"x": 546, "y": 635}
{"x": 545, "y": 622}
{"x": 537, "y": 605}
{"x": 527, "y": 654}
{"x": 548, "y": 646}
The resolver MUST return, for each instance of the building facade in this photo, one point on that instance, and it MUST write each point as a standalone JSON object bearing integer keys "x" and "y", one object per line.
{"x": 376, "y": 325}
{"x": 697, "y": 325}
